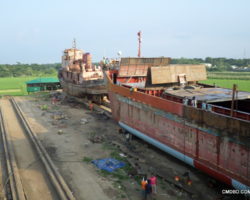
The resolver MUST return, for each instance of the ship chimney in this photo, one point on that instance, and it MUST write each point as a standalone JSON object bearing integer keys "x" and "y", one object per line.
{"x": 88, "y": 61}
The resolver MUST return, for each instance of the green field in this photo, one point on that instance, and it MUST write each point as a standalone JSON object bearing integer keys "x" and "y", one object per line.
{"x": 243, "y": 85}
{"x": 17, "y": 86}
{"x": 14, "y": 86}
{"x": 229, "y": 75}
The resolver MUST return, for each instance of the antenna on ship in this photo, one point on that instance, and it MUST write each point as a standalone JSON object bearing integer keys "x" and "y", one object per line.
{"x": 139, "y": 43}
{"x": 74, "y": 44}
{"x": 74, "y": 47}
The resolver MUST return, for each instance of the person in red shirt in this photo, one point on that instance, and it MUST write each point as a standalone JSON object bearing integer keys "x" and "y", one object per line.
{"x": 153, "y": 180}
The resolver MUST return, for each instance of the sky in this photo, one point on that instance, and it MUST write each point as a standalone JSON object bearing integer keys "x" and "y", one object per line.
{"x": 37, "y": 31}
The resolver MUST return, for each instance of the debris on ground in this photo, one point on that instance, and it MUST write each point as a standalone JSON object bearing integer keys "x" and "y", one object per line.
{"x": 84, "y": 121}
{"x": 99, "y": 115}
{"x": 59, "y": 116}
{"x": 57, "y": 97}
{"x": 43, "y": 113}
{"x": 96, "y": 139}
{"x": 122, "y": 155}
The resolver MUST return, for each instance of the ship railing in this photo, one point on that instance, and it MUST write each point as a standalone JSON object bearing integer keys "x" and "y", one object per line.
{"x": 214, "y": 108}
{"x": 227, "y": 111}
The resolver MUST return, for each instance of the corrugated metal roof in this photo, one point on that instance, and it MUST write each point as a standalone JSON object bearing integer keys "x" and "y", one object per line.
{"x": 43, "y": 80}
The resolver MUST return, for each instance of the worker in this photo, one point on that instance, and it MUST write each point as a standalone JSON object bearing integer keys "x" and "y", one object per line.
{"x": 185, "y": 101}
{"x": 143, "y": 186}
{"x": 91, "y": 106}
{"x": 128, "y": 137}
{"x": 194, "y": 102}
{"x": 53, "y": 100}
{"x": 153, "y": 180}
{"x": 204, "y": 105}
{"x": 148, "y": 189}
{"x": 209, "y": 107}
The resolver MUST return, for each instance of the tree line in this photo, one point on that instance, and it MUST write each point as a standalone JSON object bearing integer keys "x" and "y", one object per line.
{"x": 18, "y": 70}
{"x": 217, "y": 64}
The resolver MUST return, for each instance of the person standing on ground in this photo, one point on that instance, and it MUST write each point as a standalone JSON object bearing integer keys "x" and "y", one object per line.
{"x": 153, "y": 180}
{"x": 148, "y": 190}
{"x": 143, "y": 186}
{"x": 53, "y": 100}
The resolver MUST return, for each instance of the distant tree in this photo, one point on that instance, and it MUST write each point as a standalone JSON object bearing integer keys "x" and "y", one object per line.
{"x": 218, "y": 64}
{"x": 34, "y": 69}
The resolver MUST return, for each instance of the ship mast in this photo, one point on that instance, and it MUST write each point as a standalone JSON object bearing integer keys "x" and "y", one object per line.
{"x": 139, "y": 44}
{"x": 74, "y": 47}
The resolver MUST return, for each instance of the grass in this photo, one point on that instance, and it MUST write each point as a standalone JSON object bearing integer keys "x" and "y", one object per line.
{"x": 227, "y": 79}
{"x": 243, "y": 85}
{"x": 14, "y": 85}
{"x": 119, "y": 175}
{"x": 87, "y": 159}
{"x": 44, "y": 107}
{"x": 229, "y": 75}
{"x": 108, "y": 146}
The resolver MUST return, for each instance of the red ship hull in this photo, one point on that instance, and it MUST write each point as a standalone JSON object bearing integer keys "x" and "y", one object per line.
{"x": 164, "y": 124}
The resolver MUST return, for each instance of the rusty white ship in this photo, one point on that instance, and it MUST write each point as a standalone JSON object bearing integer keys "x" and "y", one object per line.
{"x": 79, "y": 77}
{"x": 152, "y": 100}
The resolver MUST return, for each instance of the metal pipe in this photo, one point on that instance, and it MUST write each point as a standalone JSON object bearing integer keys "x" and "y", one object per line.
{"x": 233, "y": 97}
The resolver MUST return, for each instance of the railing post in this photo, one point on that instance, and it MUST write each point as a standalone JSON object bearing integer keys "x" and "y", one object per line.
{"x": 233, "y": 97}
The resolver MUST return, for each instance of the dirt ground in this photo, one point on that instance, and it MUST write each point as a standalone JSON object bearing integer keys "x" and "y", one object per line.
{"x": 73, "y": 135}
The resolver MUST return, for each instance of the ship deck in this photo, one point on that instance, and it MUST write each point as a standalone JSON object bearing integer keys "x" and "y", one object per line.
{"x": 208, "y": 94}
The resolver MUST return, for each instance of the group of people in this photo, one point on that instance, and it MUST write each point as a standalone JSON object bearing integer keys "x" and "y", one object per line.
{"x": 148, "y": 186}
{"x": 193, "y": 101}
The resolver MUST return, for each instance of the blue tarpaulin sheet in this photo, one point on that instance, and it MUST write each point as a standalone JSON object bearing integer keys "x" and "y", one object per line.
{"x": 108, "y": 164}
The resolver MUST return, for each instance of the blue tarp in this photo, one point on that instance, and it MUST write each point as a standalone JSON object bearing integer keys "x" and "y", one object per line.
{"x": 108, "y": 164}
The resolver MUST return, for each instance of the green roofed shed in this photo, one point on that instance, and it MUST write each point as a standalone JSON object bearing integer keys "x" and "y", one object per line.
{"x": 42, "y": 84}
